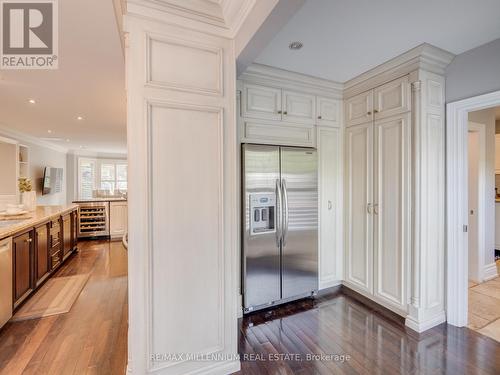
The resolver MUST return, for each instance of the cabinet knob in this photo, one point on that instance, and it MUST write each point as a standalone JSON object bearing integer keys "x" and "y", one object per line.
{"x": 375, "y": 111}
{"x": 279, "y": 112}
{"x": 28, "y": 240}
{"x": 285, "y": 113}
{"x": 330, "y": 206}
{"x": 369, "y": 113}
{"x": 319, "y": 117}
{"x": 369, "y": 208}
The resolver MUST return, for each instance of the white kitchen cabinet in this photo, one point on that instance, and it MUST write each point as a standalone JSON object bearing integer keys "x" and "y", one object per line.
{"x": 329, "y": 141}
{"x": 359, "y": 197}
{"x": 118, "y": 219}
{"x": 391, "y": 210}
{"x": 392, "y": 98}
{"x": 328, "y": 111}
{"x": 298, "y": 107}
{"x": 262, "y": 102}
{"x": 277, "y": 133}
{"x": 359, "y": 108}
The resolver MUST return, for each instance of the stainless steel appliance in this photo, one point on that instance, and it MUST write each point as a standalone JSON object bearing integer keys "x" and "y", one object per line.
{"x": 5, "y": 280}
{"x": 93, "y": 219}
{"x": 280, "y": 225}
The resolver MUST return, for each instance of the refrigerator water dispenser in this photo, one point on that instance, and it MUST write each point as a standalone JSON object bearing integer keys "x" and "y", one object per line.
{"x": 262, "y": 213}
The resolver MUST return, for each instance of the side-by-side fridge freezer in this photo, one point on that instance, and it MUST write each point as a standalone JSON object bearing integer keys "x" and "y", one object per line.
{"x": 280, "y": 225}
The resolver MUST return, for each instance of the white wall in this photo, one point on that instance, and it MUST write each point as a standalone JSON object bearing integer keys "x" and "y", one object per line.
{"x": 474, "y": 72}
{"x": 487, "y": 117}
{"x": 39, "y": 158}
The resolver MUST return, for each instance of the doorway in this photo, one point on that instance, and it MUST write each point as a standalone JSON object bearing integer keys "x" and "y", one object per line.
{"x": 462, "y": 136}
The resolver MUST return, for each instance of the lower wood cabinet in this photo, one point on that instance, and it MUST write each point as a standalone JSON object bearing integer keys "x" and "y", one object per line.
{"x": 22, "y": 251}
{"x": 42, "y": 254}
{"x": 66, "y": 235}
{"x": 74, "y": 230}
{"x": 38, "y": 252}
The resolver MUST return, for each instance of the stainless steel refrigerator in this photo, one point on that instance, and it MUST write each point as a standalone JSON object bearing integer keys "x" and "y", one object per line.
{"x": 280, "y": 225}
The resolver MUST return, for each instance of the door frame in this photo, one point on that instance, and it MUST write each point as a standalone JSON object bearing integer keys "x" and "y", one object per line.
{"x": 457, "y": 127}
{"x": 475, "y": 127}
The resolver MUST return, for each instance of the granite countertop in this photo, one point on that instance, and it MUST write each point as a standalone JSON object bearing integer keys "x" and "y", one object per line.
{"x": 31, "y": 219}
{"x": 100, "y": 200}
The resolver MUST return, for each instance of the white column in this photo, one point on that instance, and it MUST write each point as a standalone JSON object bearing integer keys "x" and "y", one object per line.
{"x": 182, "y": 152}
{"x": 426, "y": 307}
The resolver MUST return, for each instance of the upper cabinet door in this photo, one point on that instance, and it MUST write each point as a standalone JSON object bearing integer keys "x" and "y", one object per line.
{"x": 328, "y": 111}
{"x": 393, "y": 98}
{"x": 359, "y": 109}
{"x": 261, "y": 102}
{"x": 298, "y": 107}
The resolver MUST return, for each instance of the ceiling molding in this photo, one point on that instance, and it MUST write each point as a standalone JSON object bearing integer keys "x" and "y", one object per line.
{"x": 120, "y": 8}
{"x": 425, "y": 56}
{"x": 270, "y": 76}
{"x": 25, "y": 138}
{"x": 219, "y": 17}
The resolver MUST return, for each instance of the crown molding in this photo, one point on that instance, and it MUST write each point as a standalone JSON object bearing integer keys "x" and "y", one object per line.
{"x": 25, "y": 138}
{"x": 219, "y": 17}
{"x": 425, "y": 56}
{"x": 271, "y": 76}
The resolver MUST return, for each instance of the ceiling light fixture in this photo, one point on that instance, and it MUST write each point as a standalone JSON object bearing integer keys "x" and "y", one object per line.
{"x": 295, "y": 45}
{"x": 32, "y": 101}
{"x": 67, "y": 140}
{"x": 49, "y": 131}
{"x": 79, "y": 118}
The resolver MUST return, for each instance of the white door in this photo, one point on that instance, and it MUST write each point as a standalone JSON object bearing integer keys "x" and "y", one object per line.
{"x": 261, "y": 102}
{"x": 392, "y": 99}
{"x": 299, "y": 107}
{"x": 330, "y": 206}
{"x": 391, "y": 210}
{"x": 118, "y": 219}
{"x": 359, "y": 199}
{"x": 359, "y": 108}
{"x": 328, "y": 111}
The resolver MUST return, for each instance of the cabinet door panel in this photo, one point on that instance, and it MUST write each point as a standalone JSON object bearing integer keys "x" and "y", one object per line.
{"x": 330, "y": 206}
{"x": 118, "y": 219}
{"x": 359, "y": 109}
{"x": 359, "y": 231}
{"x": 261, "y": 102}
{"x": 22, "y": 266}
{"x": 66, "y": 234}
{"x": 391, "y": 234}
{"x": 299, "y": 107}
{"x": 328, "y": 111}
{"x": 42, "y": 252}
{"x": 392, "y": 98}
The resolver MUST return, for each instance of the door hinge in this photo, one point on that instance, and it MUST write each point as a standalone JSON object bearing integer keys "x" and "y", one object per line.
{"x": 466, "y": 228}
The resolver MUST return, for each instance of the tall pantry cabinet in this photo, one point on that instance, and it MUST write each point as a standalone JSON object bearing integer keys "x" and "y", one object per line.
{"x": 394, "y": 180}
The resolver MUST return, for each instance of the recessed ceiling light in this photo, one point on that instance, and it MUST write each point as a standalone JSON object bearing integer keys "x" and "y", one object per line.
{"x": 32, "y": 101}
{"x": 49, "y": 131}
{"x": 79, "y": 118}
{"x": 67, "y": 140}
{"x": 295, "y": 45}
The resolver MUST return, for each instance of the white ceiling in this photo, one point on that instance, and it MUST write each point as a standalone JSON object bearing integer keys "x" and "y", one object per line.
{"x": 90, "y": 82}
{"x": 343, "y": 38}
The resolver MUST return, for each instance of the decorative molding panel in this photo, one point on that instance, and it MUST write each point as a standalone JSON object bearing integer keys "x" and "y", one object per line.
{"x": 170, "y": 127}
{"x": 165, "y": 56}
{"x": 268, "y": 133}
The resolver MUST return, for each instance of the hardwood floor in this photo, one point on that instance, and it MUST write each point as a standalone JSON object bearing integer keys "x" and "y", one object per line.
{"x": 92, "y": 337}
{"x": 365, "y": 341}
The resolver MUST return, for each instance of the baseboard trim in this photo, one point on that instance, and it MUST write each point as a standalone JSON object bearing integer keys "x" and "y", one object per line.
{"x": 427, "y": 324}
{"x": 329, "y": 284}
{"x": 490, "y": 271}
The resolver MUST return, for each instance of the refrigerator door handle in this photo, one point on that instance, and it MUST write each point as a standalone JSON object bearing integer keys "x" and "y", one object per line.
{"x": 285, "y": 211}
{"x": 279, "y": 215}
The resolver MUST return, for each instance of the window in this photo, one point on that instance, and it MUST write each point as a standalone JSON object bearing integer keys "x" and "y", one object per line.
{"x": 109, "y": 176}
